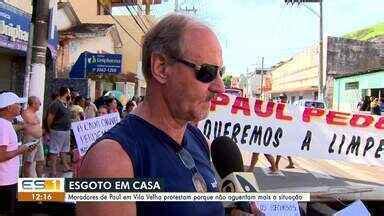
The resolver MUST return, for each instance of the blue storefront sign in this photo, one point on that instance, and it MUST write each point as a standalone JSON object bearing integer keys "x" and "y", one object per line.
{"x": 93, "y": 63}
{"x": 14, "y": 28}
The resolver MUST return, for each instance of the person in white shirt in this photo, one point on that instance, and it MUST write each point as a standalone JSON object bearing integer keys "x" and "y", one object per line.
{"x": 9, "y": 151}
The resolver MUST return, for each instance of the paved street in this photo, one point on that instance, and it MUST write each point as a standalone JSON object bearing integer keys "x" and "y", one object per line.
{"x": 324, "y": 177}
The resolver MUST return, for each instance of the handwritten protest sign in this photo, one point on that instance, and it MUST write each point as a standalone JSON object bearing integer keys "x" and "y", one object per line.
{"x": 285, "y": 129}
{"x": 86, "y": 132}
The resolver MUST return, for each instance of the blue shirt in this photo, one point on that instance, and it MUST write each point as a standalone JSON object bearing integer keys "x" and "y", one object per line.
{"x": 153, "y": 154}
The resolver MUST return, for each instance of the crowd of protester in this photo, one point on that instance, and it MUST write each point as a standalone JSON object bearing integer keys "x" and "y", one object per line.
{"x": 30, "y": 148}
{"x": 371, "y": 104}
{"x": 56, "y": 142}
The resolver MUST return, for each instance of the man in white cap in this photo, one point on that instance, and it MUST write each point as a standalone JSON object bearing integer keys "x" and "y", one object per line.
{"x": 9, "y": 151}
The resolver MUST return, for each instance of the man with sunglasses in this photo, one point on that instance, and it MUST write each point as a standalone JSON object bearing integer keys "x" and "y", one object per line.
{"x": 182, "y": 64}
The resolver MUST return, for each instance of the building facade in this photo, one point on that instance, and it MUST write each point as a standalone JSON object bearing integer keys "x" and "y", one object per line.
{"x": 256, "y": 83}
{"x": 298, "y": 77}
{"x": 348, "y": 90}
{"x": 14, "y": 34}
{"x": 15, "y": 18}
{"x": 87, "y": 26}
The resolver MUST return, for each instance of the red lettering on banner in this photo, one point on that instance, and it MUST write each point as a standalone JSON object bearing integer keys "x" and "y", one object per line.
{"x": 280, "y": 112}
{"x": 356, "y": 117}
{"x": 219, "y": 99}
{"x": 268, "y": 111}
{"x": 333, "y": 116}
{"x": 380, "y": 123}
{"x": 309, "y": 111}
{"x": 241, "y": 103}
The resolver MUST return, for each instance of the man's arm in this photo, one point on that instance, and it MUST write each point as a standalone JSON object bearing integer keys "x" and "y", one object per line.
{"x": 7, "y": 155}
{"x": 106, "y": 159}
{"x": 52, "y": 110}
{"x": 50, "y": 118}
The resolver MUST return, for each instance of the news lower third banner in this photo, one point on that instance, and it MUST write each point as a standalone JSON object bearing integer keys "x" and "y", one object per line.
{"x": 130, "y": 190}
{"x": 289, "y": 130}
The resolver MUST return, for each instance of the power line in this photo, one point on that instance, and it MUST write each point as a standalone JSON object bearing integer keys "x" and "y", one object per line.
{"x": 134, "y": 18}
{"x": 118, "y": 22}
{"x": 138, "y": 16}
{"x": 141, "y": 10}
{"x": 139, "y": 13}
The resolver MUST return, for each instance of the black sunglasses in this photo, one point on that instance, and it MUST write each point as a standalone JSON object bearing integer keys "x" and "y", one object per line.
{"x": 205, "y": 72}
{"x": 197, "y": 179}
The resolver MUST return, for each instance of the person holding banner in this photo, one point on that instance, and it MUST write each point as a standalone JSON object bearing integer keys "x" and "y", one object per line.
{"x": 255, "y": 158}
{"x": 103, "y": 110}
{"x": 283, "y": 99}
{"x": 182, "y": 65}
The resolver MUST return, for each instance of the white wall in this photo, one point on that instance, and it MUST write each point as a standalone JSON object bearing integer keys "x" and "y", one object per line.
{"x": 62, "y": 20}
{"x": 254, "y": 84}
{"x": 90, "y": 44}
{"x": 91, "y": 89}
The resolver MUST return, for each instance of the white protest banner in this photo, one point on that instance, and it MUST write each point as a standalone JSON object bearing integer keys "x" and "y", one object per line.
{"x": 86, "y": 132}
{"x": 285, "y": 129}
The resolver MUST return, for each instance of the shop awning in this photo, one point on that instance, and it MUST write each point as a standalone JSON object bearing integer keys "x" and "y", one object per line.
{"x": 96, "y": 64}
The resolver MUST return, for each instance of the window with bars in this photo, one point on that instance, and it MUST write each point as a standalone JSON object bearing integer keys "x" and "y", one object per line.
{"x": 351, "y": 85}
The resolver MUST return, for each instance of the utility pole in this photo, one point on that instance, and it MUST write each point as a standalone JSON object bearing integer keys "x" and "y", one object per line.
{"x": 321, "y": 85}
{"x": 28, "y": 60}
{"x": 39, "y": 49}
{"x": 261, "y": 80}
{"x": 148, "y": 7}
{"x": 176, "y": 5}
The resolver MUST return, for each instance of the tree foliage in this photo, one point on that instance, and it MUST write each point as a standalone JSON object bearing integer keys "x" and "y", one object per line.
{"x": 227, "y": 81}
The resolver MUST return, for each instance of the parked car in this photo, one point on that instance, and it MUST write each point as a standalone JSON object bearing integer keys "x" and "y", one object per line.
{"x": 234, "y": 91}
{"x": 310, "y": 103}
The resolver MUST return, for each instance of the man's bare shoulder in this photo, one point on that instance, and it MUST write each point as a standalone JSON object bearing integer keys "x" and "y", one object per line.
{"x": 106, "y": 159}
{"x": 26, "y": 113}
{"x": 29, "y": 117}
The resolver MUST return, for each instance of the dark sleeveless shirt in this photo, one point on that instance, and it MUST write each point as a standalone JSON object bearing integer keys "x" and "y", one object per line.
{"x": 153, "y": 154}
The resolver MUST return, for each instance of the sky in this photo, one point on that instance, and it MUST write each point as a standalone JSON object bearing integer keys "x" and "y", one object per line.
{"x": 251, "y": 29}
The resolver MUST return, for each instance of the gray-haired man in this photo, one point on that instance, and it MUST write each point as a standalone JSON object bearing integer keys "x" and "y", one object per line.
{"x": 182, "y": 65}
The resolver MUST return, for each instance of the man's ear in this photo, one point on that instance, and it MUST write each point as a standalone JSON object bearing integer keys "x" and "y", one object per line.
{"x": 158, "y": 66}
